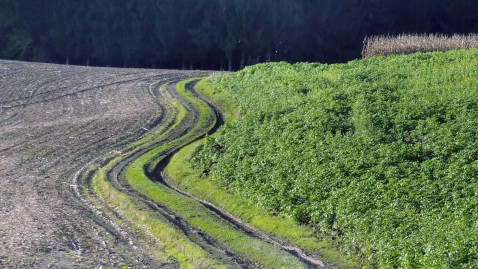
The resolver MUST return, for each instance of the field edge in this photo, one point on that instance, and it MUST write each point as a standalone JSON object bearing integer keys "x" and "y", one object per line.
{"x": 186, "y": 177}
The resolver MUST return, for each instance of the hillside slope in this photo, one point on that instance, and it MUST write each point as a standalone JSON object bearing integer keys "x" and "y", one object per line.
{"x": 82, "y": 184}
{"x": 379, "y": 154}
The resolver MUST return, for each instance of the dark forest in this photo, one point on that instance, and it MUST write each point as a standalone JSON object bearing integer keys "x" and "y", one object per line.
{"x": 214, "y": 34}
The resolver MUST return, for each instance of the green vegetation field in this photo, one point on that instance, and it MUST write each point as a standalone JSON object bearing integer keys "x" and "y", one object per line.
{"x": 380, "y": 155}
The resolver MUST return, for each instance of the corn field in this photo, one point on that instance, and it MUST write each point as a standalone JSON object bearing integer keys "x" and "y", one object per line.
{"x": 411, "y": 43}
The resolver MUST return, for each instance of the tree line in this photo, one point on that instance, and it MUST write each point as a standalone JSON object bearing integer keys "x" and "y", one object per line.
{"x": 214, "y": 34}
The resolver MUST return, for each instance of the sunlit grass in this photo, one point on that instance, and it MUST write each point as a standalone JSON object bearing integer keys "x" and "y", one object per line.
{"x": 195, "y": 213}
{"x": 174, "y": 244}
{"x": 208, "y": 188}
{"x": 378, "y": 154}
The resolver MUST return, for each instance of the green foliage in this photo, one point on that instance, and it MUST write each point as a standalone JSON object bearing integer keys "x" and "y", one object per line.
{"x": 15, "y": 40}
{"x": 214, "y": 34}
{"x": 381, "y": 154}
{"x": 195, "y": 213}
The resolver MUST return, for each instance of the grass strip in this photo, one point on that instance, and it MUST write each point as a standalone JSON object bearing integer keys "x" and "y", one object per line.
{"x": 174, "y": 243}
{"x": 226, "y": 102}
{"x": 193, "y": 211}
{"x": 379, "y": 155}
{"x": 205, "y": 121}
{"x": 208, "y": 188}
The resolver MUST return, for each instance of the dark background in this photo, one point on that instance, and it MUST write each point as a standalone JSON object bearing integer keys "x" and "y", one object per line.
{"x": 214, "y": 34}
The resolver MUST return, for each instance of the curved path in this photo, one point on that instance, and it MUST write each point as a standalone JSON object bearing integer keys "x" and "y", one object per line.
{"x": 54, "y": 120}
{"x": 59, "y": 127}
{"x": 220, "y": 252}
{"x": 160, "y": 176}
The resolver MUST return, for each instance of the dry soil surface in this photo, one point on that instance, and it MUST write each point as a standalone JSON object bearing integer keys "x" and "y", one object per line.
{"x": 54, "y": 119}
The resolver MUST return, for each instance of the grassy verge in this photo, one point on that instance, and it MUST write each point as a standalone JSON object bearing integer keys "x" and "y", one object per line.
{"x": 175, "y": 244}
{"x": 380, "y": 154}
{"x": 226, "y": 102}
{"x": 208, "y": 188}
{"x": 193, "y": 211}
{"x": 205, "y": 121}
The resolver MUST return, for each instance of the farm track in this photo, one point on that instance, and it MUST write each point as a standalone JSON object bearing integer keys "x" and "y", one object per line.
{"x": 57, "y": 130}
{"x": 117, "y": 176}
{"x": 54, "y": 120}
{"x": 160, "y": 176}
{"x": 220, "y": 252}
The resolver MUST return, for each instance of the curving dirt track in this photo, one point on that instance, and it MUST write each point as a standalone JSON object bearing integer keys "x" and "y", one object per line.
{"x": 58, "y": 125}
{"x": 54, "y": 120}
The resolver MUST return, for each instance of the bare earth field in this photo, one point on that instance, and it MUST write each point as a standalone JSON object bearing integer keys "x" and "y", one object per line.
{"x": 54, "y": 120}
{"x": 68, "y": 136}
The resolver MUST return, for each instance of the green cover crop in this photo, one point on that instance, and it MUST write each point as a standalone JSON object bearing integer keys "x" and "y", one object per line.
{"x": 381, "y": 154}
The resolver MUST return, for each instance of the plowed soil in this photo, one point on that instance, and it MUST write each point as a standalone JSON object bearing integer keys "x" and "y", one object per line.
{"x": 58, "y": 125}
{"x": 55, "y": 119}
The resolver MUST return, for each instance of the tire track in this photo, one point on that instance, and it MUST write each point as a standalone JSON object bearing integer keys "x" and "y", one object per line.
{"x": 81, "y": 182}
{"x": 159, "y": 175}
{"x": 43, "y": 222}
{"x": 70, "y": 226}
{"x": 117, "y": 174}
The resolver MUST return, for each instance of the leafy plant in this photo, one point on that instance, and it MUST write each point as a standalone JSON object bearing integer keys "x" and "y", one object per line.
{"x": 380, "y": 154}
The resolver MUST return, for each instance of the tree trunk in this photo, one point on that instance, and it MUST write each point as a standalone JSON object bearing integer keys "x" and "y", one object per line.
{"x": 229, "y": 60}
{"x": 243, "y": 59}
{"x": 221, "y": 63}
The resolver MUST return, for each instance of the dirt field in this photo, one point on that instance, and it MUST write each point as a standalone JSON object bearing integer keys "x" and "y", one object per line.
{"x": 54, "y": 119}
{"x": 58, "y": 126}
